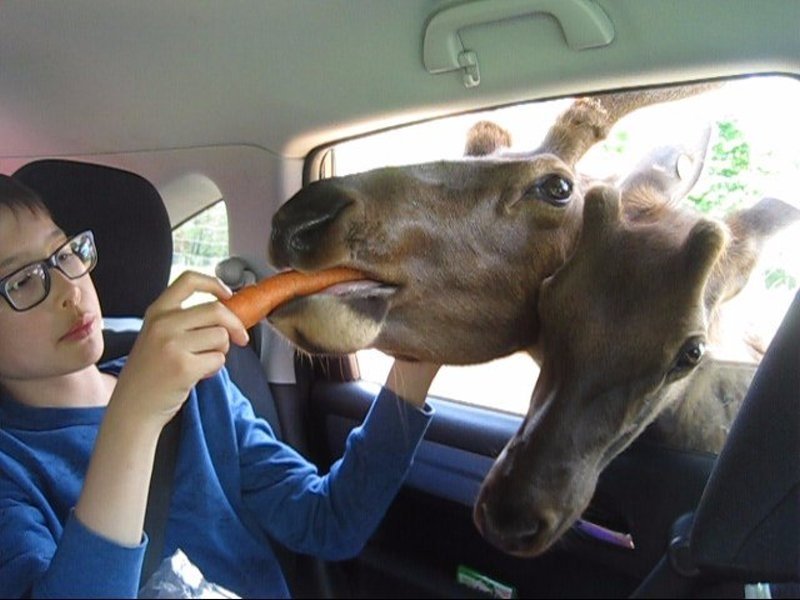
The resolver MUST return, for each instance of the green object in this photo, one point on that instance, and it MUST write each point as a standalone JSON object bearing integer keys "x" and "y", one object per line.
{"x": 477, "y": 581}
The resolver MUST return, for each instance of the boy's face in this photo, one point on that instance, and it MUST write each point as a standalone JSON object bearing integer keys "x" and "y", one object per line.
{"x": 63, "y": 333}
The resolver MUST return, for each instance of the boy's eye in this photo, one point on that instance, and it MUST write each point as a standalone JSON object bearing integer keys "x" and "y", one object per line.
{"x": 22, "y": 280}
{"x": 65, "y": 255}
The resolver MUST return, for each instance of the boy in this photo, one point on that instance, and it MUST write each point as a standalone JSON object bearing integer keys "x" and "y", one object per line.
{"x": 77, "y": 439}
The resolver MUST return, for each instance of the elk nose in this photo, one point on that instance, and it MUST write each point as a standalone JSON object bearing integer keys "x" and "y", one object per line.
{"x": 302, "y": 226}
{"x": 506, "y": 526}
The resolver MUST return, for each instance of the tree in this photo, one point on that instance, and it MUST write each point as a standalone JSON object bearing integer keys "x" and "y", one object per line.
{"x": 727, "y": 167}
{"x": 203, "y": 240}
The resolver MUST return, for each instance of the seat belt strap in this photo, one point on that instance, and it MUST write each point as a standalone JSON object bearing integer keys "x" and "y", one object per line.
{"x": 158, "y": 498}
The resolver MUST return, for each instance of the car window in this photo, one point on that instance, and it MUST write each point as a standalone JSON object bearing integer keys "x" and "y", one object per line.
{"x": 200, "y": 243}
{"x": 753, "y": 153}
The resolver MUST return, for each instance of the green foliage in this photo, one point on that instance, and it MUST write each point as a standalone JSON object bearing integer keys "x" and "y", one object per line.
{"x": 727, "y": 167}
{"x": 203, "y": 240}
{"x": 618, "y": 144}
{"x": 730, "y": 181}
{"x": 778, "y": 277}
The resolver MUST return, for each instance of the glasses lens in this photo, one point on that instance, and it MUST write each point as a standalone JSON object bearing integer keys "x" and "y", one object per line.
{"x": 30, "y": 285}
{"x": 27, "y": 287}
{"x": 78, "y": 256}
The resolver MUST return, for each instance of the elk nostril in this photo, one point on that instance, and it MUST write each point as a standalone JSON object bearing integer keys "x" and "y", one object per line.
{"x": 308, "y": 233}
{"x": 505, "y": 529}
{"x": 528, "y": 536}
{"x": 305, "y": 222}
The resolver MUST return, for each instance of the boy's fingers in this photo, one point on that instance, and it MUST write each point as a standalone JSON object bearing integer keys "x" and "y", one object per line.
{"x": 207, "y": 339}
{"x": 239, "y": 340}
{"x": 211, "y": 315}
{"x": 189, "y": 283}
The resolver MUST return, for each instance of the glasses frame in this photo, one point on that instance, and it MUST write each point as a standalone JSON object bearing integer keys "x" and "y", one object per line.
{"x": 47, "y": 264}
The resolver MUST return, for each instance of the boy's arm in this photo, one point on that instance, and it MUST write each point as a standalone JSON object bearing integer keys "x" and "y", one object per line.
{"x": 411, "y": 380}
{"x": 176, "y": 348}
{"x": 332, "y": 516}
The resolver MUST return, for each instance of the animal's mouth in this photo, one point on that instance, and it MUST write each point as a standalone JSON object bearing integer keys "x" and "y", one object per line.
{"x": 531, "y": 536}
{"x": 361, "y": 288}
{"x": 342, "y": 318}
{"x": 535, "y": 544}
{"x": 369, "y": 296}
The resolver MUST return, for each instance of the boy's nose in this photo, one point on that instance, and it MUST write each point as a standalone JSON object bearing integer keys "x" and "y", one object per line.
{"x": 68, "y": 290}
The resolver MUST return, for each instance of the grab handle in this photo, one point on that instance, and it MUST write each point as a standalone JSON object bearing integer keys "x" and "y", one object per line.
{"x": 583, "y": 23}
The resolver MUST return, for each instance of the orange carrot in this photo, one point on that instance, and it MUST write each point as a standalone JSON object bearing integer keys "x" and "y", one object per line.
{"x": 254, "y": 302}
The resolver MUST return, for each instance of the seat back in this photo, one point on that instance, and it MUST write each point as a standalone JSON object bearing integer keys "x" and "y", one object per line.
{"x": 747, "y": 524}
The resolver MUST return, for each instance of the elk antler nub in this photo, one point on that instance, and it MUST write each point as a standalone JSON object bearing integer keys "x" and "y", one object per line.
{"x": 589, "y": 120}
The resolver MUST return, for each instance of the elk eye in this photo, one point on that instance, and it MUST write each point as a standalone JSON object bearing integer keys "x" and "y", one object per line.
{"x": 690, "y": 355}
{"x": 554, "y": 189}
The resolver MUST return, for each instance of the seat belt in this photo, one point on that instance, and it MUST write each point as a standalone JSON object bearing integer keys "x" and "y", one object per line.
{"x": 158, "y": 498}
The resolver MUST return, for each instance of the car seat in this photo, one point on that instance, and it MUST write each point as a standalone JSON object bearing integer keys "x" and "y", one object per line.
{"x": 745, "y": 533}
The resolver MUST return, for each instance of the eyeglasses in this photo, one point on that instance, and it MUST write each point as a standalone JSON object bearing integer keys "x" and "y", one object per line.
{"x": 28, "y": 286}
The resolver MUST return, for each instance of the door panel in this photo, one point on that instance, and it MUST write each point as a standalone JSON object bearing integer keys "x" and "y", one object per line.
{"x": 428, "y": 531}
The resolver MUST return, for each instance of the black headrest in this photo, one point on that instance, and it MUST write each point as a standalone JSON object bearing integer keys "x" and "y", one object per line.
{"x": 130, "y": 224}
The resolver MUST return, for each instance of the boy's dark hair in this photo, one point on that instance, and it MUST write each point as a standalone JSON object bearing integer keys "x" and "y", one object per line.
{"x": 17, "y": 196}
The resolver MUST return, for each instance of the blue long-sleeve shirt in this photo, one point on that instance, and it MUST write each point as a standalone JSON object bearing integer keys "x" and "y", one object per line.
{"x": 236, "y": 486}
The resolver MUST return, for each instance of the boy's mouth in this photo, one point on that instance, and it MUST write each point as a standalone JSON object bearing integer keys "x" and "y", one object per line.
{"x": 80, "y": 329}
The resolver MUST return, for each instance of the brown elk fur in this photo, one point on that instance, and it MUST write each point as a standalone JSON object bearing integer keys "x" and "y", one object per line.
{"x": 486, "y": 137}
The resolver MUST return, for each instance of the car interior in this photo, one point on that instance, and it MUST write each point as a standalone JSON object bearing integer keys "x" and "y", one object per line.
{"x": 133, "y": 119}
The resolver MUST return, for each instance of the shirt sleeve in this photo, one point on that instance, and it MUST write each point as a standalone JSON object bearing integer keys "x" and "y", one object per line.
{"x": 333, "y": 515}
{"x": 88, "y": 565}
{"x": 33, "y": 563}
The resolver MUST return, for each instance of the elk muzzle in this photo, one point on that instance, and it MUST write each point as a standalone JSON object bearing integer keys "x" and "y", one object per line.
{"x": 305, "y": 228}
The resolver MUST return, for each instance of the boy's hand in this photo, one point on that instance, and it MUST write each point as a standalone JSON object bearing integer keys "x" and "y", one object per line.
{"x": 177, "y": 347}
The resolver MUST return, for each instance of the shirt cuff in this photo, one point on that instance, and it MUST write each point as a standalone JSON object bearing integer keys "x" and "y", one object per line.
{"x": 90, "y": 565}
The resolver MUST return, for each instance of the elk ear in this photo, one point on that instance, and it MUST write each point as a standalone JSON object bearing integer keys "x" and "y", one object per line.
{"x": 750, "y": 229}
{"x": 702, "y": 249}
{"x": 664, "y": 176}
{"x": 486, "y": 137}
{"x": 762, "y": 220}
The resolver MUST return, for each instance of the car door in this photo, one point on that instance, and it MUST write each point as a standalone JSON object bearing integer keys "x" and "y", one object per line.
{"x": 428, "y": 546}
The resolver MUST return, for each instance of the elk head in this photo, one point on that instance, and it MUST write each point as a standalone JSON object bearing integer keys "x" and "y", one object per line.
{"x": 623, "y": 323}
{"x": 455, "y": 251}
